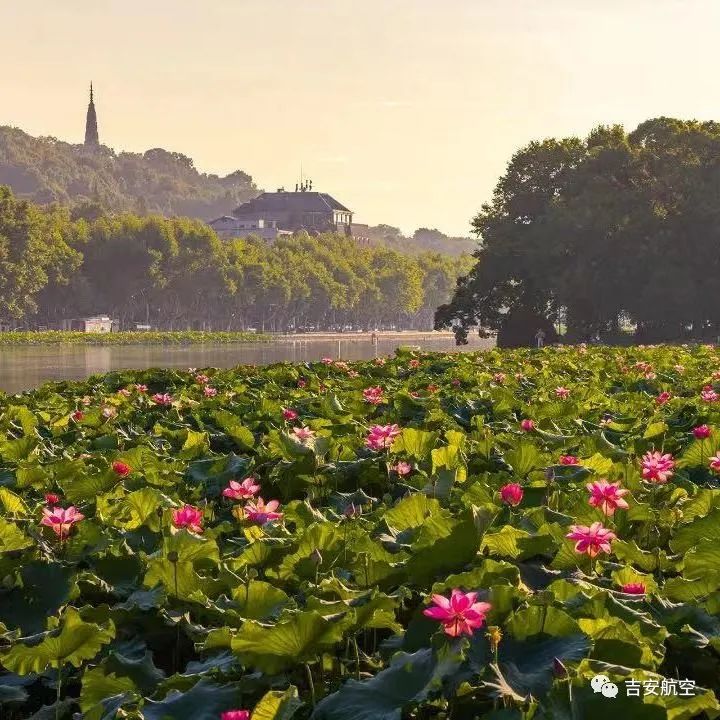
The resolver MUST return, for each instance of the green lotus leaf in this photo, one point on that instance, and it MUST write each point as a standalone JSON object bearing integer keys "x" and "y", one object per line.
{"x": 537, "y": 619}
{"x": 12, "y": 538}
{"x": 204, "y": 701}
{"x": 234, "y": 429}
{"x": 43, "y": 589}
{"x": 415, "y": 443}
{"x": 12, "y": 504}
{"x": 258, "y": 600}
{"x": 277, "y": 705}
{"x": 298, "y": 639}
{"x": 408, "y": 679}
{"x": 97, "y": 686}
{"x": 74, "y": 642}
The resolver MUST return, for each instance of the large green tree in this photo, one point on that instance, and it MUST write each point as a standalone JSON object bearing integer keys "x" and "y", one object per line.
{"x": 35, "y": 250}
{"x": 599, "y": 232}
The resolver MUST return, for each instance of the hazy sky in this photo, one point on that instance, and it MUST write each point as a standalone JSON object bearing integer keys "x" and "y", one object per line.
{"x": 406, "y": 110}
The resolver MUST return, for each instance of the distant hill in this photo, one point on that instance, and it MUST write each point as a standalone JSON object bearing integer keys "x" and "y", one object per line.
{"x": 47, "y": 170}
{"x": 423, "y": 239}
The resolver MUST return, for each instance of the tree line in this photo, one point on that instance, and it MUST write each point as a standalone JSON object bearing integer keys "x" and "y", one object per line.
{"x": 613, "y": 234}
{"x": 175, "y": 273}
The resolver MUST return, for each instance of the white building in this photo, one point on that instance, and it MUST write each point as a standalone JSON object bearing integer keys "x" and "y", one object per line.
{"x": 229, "y": 226}
{"x": 95, "y": 324}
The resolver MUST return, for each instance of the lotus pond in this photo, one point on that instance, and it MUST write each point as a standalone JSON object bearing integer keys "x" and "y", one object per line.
{"x": 453, "y": 536}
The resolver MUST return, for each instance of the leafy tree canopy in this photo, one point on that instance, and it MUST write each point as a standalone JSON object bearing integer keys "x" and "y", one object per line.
{"x": 614, "y": 230}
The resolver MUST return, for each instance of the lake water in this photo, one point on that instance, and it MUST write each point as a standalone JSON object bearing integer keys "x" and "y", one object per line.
{"x": 26, "y": 367}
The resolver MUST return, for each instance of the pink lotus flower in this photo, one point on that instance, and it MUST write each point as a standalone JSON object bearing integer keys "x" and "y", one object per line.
{"x": 527, "y": 425}
{"x": 52, "y": 498}
{"x": 124, "y": 392}
{"x": 259, "y": 512}
{"x": 569, "y": 460}
{"x": 562, "y": 392}
{"x": 302, "y": 383}
{"x": 380, "y": 361}
{"x": 607, "y": 496}
{"x": 61, "y": 520}
{"x": 432, "y": 388}
{"x": 499, "y": 378}
{"x": 459, "y": 614}
{"x": 455, "y": 383}
{"x": 634, "y": 588}
{"x": 373, "y": 395}
{"x": 714, "y": 462}
{"x": 381, "y": 437}
{"x": 120, "y": 468}
{"x": 413, "y": 364}
{"x": 241, "y": 490}
{"x": 679, "y": 368}
{"x": 109, "y": 412}
{"x": 303, "y": 434}
{"x": 511, "y": 494}
{"x": 662, "y": 398}
{"x": 709, "y": 395}
{"x": 140, "y": 388}
{"x": 78, "y": 415}
{"x": 188, "y": 517}
{"x": 656, "y": 467}
{"x": 701, "y": 432}
{"x": 162, "y": 399}
{"x": 402, "y": 468}
{"x": 591, "y": 540}
{"x": 235, "y": 715}
{"x": 327, "y": 361}
{"x": 289, "y": 414}
{"x": 202, "y": 379}
{"x": 209, "y": 392}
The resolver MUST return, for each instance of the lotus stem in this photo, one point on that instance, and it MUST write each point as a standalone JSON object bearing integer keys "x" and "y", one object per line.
{"x": 311, "y": 684}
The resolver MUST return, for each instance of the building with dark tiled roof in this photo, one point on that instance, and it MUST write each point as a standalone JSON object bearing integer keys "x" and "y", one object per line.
{"x": 304, "y": 209}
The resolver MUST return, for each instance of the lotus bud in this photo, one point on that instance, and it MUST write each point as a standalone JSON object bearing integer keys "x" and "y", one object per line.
{"x": 315, "y": 557}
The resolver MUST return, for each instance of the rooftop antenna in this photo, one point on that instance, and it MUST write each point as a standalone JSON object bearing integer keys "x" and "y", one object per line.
{"x": 302, "y": 184}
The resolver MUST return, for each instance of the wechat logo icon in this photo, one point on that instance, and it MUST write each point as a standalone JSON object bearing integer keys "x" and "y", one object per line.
{"x": 602, "y": 684}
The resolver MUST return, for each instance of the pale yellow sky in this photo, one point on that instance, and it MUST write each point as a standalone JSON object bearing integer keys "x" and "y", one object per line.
{"x": 406, "y": 110}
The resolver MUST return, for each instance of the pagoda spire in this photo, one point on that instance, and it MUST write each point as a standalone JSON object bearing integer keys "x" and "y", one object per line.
{"x": 91, "y": 130}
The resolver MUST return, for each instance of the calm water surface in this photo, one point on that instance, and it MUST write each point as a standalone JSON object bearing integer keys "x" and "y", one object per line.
{"x": 23, "y": 368}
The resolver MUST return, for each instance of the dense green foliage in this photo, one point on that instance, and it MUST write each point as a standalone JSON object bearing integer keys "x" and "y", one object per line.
{"x": 186, "y": 337}
{"x": 176, "y": 273}
{"x": 47, "y": 170}
{"x": 619, "y": 228}
{"x": 423, "y": 239}
{"x": 319, "y": 613}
